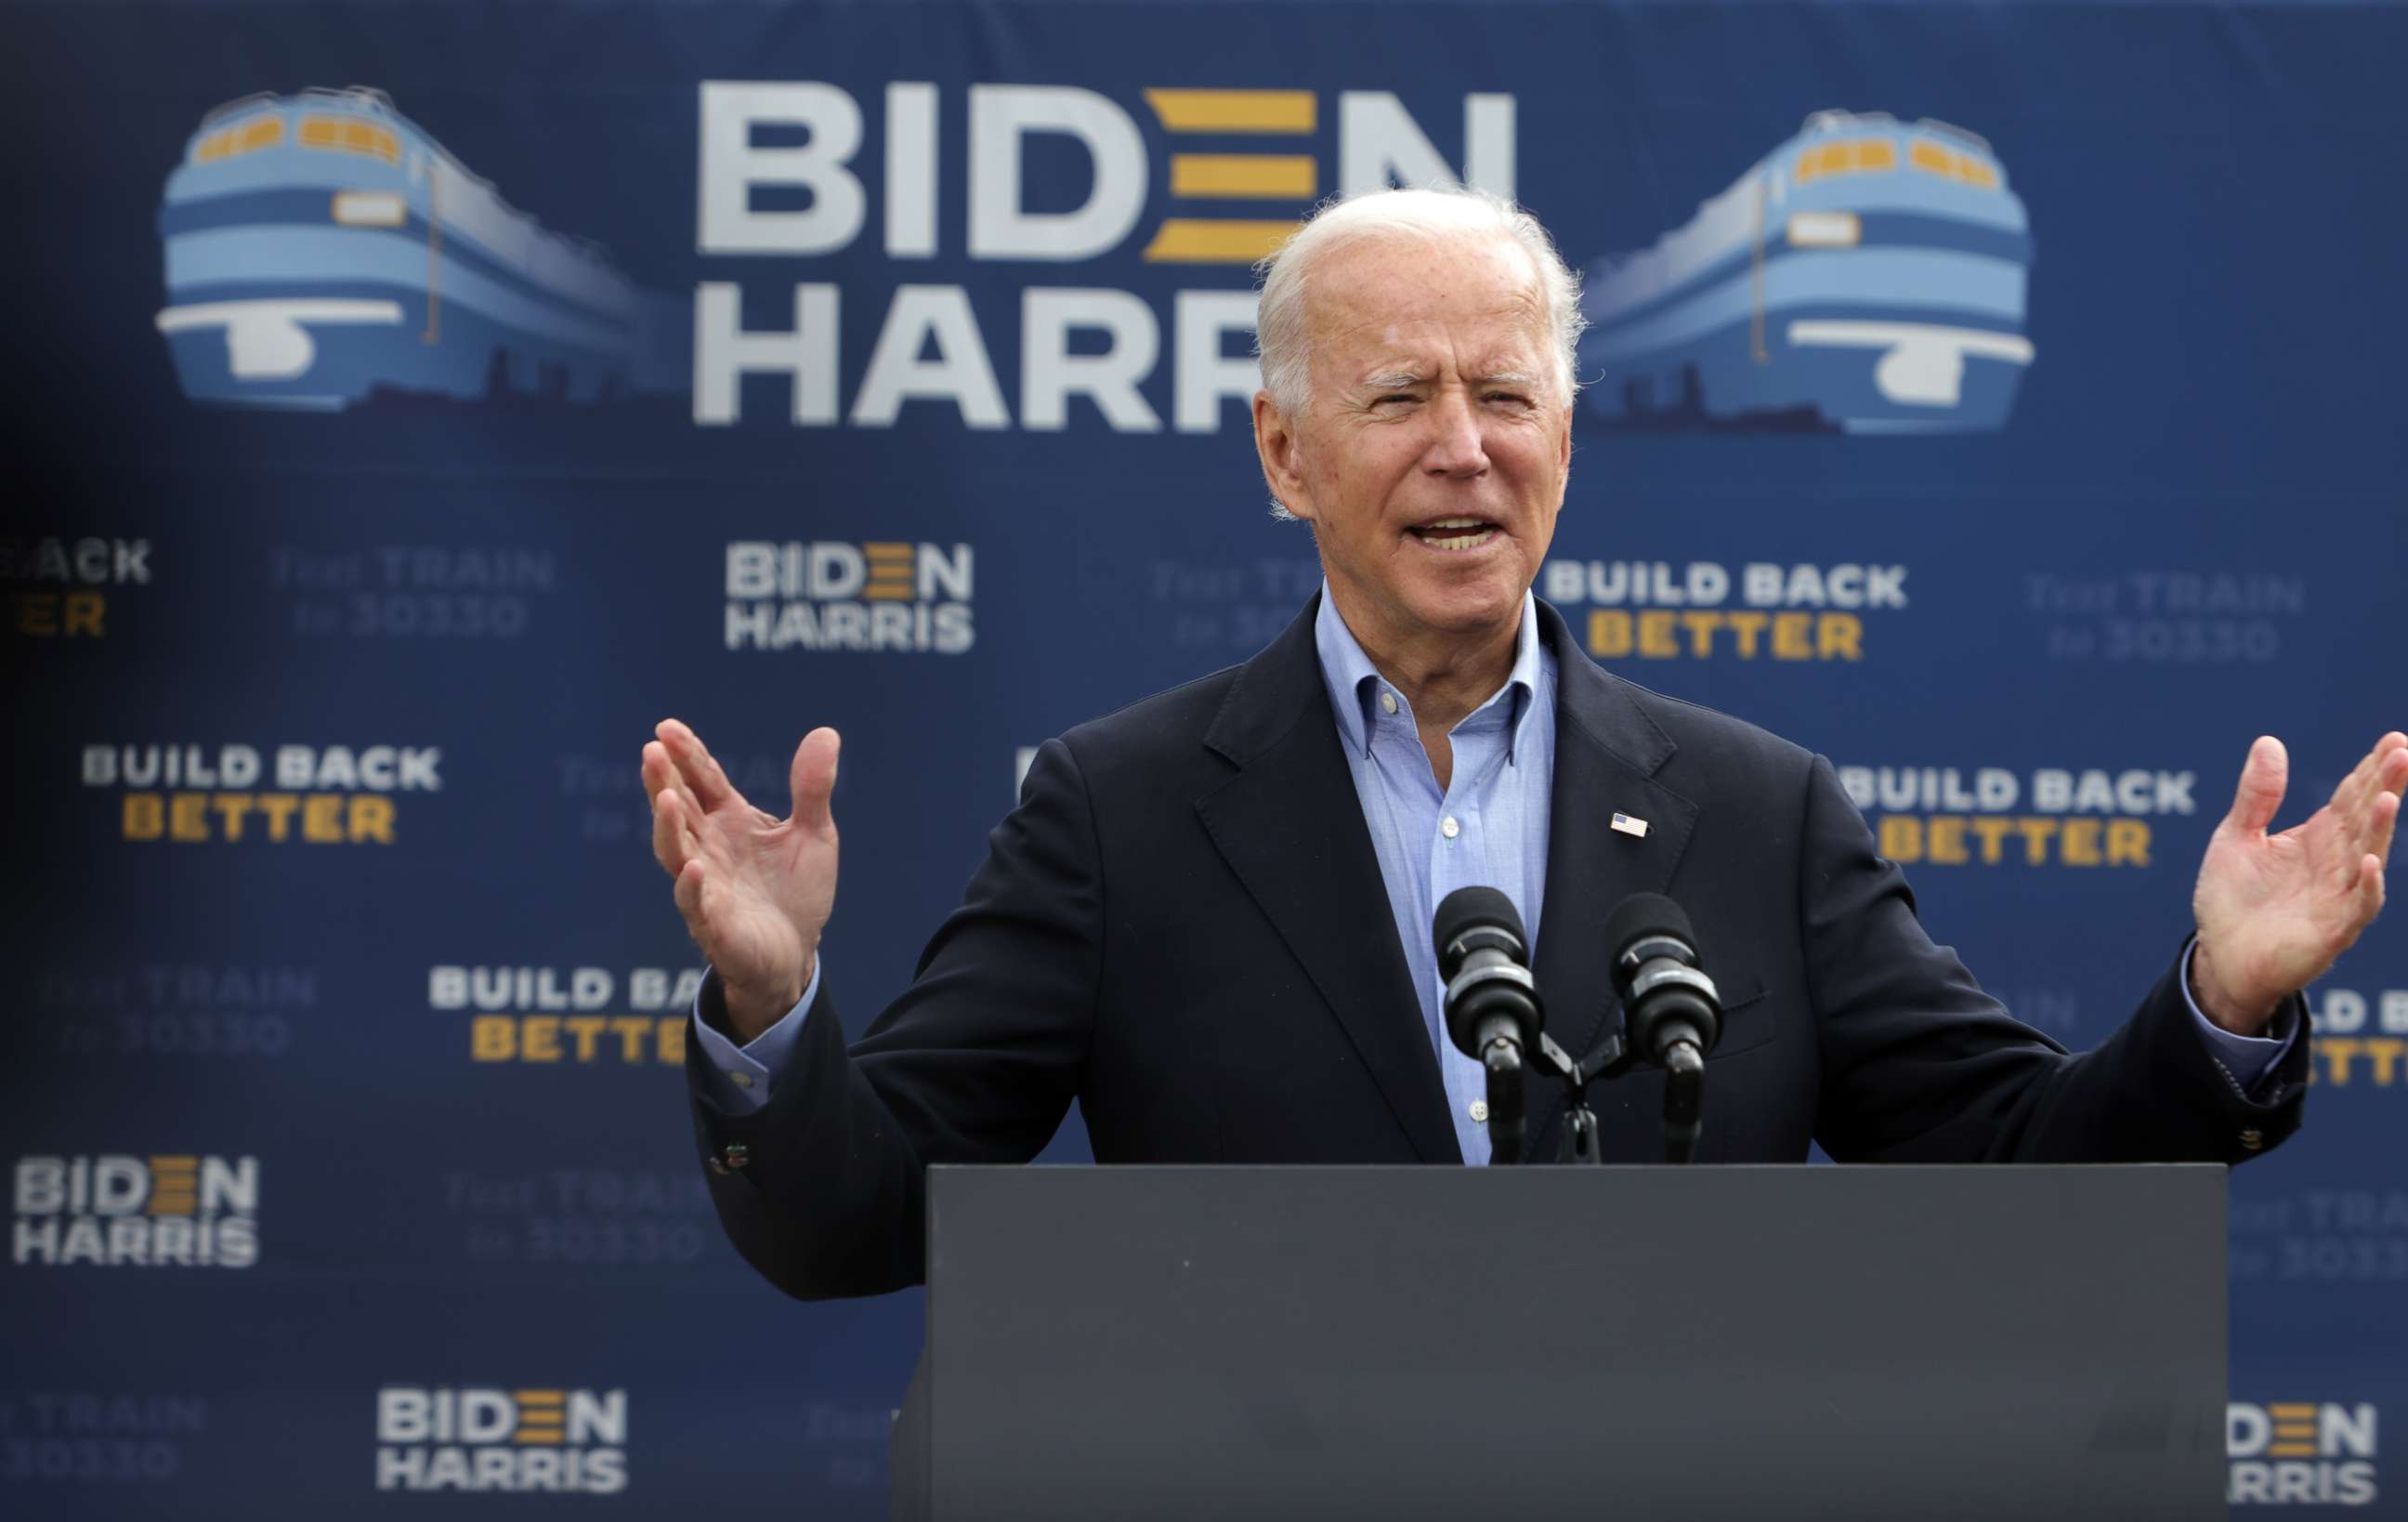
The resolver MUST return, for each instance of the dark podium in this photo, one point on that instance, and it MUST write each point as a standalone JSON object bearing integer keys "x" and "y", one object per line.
{"x": 1649, "y": 1343}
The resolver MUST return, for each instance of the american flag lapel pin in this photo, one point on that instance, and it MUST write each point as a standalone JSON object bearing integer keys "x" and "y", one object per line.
{"x": 1630, "y": 825}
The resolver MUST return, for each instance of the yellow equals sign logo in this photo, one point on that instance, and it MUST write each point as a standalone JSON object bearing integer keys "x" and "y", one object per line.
{"x": 539, "y": 1416}
{"x": 174, "y": 1186}
{"x": 1233, "y": 177}
{"x": 890, "y": 573}
{"x": 2295, "y": 1431}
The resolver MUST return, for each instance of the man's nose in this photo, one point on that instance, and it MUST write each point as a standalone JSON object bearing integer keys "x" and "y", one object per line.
{"x": 1455, "y": 447}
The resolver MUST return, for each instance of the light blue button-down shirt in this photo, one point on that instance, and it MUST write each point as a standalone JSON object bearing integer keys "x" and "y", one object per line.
{"x": 1487, "y": 829}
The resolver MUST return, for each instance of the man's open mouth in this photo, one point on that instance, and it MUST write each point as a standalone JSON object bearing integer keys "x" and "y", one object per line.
{"x": 1454, "y": 533}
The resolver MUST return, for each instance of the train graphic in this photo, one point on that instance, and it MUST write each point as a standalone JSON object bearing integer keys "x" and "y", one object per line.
{"x": 322, "y": 249}
{"x": 1866, "y": 276}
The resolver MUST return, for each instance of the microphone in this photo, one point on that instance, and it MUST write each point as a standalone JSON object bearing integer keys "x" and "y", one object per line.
{"x": 1670, "y": 1007}
{"x": 1493, "y": 1013}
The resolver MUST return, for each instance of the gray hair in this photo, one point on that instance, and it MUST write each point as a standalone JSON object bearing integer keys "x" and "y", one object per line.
{"x": 1282, "y": 342}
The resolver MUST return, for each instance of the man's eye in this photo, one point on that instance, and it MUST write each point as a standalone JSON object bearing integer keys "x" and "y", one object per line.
{"x": 1515, "y": 397}
{"x": 1395, "y": 397}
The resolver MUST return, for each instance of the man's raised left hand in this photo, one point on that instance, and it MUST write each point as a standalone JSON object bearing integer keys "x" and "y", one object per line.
{"x": 2275, "y": 911}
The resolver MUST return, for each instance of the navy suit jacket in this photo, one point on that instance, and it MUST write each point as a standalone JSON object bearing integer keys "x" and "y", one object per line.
{"x": 1183, "y": 928}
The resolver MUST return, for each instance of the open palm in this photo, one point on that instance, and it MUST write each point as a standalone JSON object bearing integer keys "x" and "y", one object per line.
{"x": 2275, "y": 911}
{"x": 755, "y": 890}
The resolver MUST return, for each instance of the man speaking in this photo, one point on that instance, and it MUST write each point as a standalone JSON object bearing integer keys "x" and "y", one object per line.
{"x": 1208, "y": 920}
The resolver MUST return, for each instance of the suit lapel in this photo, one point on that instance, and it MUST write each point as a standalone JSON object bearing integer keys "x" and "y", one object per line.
{"x": 1290, "y": 826}
{"x": 1607, "y": 754}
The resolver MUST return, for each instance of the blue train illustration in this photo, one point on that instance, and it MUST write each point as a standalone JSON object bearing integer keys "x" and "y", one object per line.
{"x": 322, "y": 249}
{"x": 1866, "y": 276}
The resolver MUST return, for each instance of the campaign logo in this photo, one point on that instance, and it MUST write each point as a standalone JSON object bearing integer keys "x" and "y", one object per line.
{"x": 180, "y": 1210}
{"x": 2300, "y": 1453}
{"x": 490, "y": 1437}
{"x": 1246, "y": 166}
{"x": 1864, "y": 276}
{"x": 57, "y": 588}
{"x": 840, "y": 595}
{"x": 572, "y": 1015}
{"x": 1992, "y": 816}
{"x": 332, "y": 795}
{"x": 322, "y": 247}
{"x": 1651, "y": 611}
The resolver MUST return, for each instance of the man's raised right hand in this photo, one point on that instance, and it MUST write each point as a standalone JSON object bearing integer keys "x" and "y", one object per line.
{"x": 755, "y": 890}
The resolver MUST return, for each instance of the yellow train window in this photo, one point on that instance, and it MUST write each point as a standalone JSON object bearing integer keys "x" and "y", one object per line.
{"x": 1978, "y": 174}
{"x": 1876, "y": 154}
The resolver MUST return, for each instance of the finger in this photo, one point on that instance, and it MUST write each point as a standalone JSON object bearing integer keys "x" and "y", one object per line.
{"x": 669, "y": 838}
{"x": 696, "y": 765}
{"x": 2367, "y": 778}
{"x": 658, "y": 770}
{"x": 2387, "y": 817}
{"x": 2370, "y": 890}
{"x": 2362, "y": 814}
{"x": 2263, "y": 777}
{"x": 813, "y": 778}
{"x": 688, "y": 893}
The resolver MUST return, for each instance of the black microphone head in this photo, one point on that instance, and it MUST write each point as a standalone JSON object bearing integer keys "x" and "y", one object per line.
{"x": 1467, "y": 909}
{"x": 1644, "y": 914}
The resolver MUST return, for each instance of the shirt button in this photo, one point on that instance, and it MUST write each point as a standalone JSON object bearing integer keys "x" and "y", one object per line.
{"x": 1480, "y": 1110}
{"x": 741, "y": 1080}
{"x": 1389, "y": 702}
{"x": 1449, "y": 828}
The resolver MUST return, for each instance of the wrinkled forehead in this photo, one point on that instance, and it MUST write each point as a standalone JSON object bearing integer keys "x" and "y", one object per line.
{"x": 1470, "y": 301}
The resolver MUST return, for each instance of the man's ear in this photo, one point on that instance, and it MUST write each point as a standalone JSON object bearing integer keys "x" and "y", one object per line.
{"x": 1275, "y": 444}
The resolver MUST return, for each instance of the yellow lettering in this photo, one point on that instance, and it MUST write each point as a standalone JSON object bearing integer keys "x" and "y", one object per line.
{"x": 38, "y": 612}
{"x": 1701, "y": 627}
{"x": 85, "y": 610}
{"x": 322, "y": 818}
{"x": 230, "y": 806}
{"x": 279, "y": 808}
{"x": 2386, "y": 1052}
{"x": 1745, "y": 629}
{"x": 372, "y": 818}
{"x": 188, "y": 816}
{"x": 585, "y": 1027}
{"x": 1789, "y": 636}
{"x": 2037, "y": 832}
{"x": 672, "y": 1040}
{"x": 1655, "y": 634}
{"x": 1946, "y": 840}
{"x": 1901, "y": 838}
{"x": 540, "y": 1039}
{"x": 2336, "y": 1051}
{"x": 146, "y": 816}
{"x": 1841, "y": 634}
{"x": 1992, "y": 831}
{"x": 1608, "y": 633}
{"x": 493, "y": 1038}
{"x": 2127, "y": 843}
{"x": 2080, "y": 845}
{"x": 632, "y": 1030}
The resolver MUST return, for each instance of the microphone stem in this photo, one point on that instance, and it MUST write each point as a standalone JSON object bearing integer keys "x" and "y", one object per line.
{"x": 1685, "y": 1070}
{"x": 1503, "y": 1060}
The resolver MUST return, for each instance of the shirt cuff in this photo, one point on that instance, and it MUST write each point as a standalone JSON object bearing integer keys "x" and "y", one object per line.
{"x": 2248, "y": 1058}
{"x": 740, "y": 1078}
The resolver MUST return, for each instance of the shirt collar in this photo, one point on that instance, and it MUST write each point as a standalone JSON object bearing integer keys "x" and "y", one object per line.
{"x": 1355, "y": 683}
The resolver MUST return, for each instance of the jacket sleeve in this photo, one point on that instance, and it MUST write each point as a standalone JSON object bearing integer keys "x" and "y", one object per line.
{"x": 823, "y": 1188}
{"x": 1919, "y": 1065}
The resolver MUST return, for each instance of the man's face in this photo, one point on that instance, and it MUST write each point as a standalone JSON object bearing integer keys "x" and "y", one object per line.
{"x": 1432, "y": 454}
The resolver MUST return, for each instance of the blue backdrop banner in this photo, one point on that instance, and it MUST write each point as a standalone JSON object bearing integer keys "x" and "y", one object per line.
{"x": 413, "y": 402}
